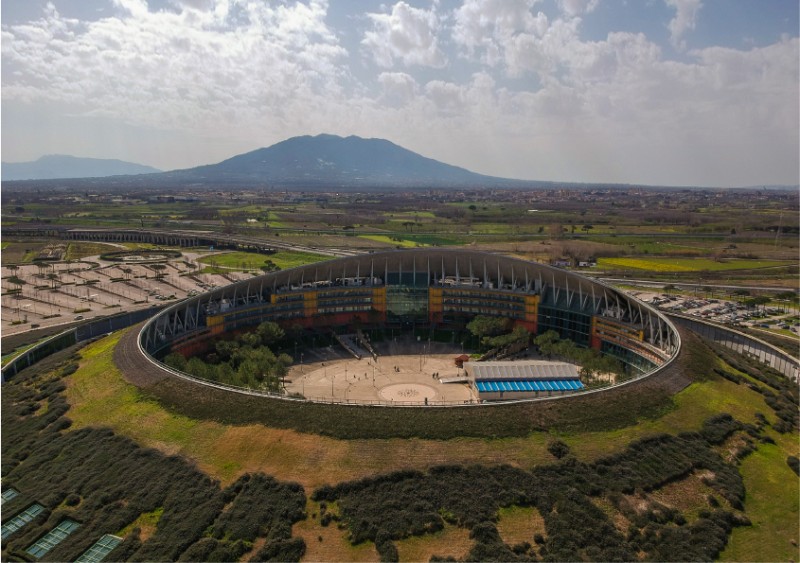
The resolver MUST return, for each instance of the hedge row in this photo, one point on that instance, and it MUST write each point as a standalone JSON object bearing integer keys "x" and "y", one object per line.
{"x": 407, "y": 503}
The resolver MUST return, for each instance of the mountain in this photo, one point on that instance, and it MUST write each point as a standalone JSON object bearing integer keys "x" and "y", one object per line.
{"x": 62, "y": 166}
{"x": 332, "y": 161}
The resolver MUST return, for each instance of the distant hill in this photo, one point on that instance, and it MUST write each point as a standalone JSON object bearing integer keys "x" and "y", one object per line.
{"x": 332, "y": 161}
{"x": 63, "y": 166}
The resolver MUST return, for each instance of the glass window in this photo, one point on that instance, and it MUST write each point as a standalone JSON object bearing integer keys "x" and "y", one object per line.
{"x": 100, "y": 549}
{"x": 8, "y": 494}
{"x": 52, "y": 538}
{"x": 21, "y": 519}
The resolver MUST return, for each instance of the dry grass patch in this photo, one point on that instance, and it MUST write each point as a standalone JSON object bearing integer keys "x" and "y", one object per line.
{"x": 518, "y": 524}
{"x": 621, "y": 523}
{"x": 689, "y": 495}
{"x": 452, "y": 541}
{"x": 329, "y": 543}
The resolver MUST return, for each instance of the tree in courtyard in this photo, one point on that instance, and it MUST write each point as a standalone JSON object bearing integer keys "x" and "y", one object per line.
{"x": 546, "y": 342}
{"x": 518, "y": 338}
{"x": 270, "y": 333}
{"x": 483, "y": 326}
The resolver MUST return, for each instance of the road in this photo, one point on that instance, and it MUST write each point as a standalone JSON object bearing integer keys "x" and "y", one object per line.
{"x": 677, "y": 284}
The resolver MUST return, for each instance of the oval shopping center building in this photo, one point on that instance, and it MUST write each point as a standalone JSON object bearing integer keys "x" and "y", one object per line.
{"x": 437, "y": 290}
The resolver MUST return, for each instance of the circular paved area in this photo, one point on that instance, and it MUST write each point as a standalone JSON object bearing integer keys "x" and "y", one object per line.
{"x": 407, "y": 393}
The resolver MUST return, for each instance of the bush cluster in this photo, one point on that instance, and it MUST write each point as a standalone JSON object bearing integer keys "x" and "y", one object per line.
{"x": 405, "y": 503}
{"x": 106, "y": 482}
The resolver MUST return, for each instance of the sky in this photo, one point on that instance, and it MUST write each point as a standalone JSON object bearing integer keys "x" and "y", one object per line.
{"x": 656, "y": 92}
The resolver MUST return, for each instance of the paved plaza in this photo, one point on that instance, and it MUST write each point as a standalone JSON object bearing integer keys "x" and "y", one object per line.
{"x": 391, "y": 379}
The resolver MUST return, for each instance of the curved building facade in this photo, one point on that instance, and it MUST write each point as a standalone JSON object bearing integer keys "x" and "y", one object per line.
{"x": 411, "y": 288}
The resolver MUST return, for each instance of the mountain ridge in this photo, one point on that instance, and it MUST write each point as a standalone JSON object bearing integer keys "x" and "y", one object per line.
{"x": 334, "y": 161}
{"x": 61, "y": 166}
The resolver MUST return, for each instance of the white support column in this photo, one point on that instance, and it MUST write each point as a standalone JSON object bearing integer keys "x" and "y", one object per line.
{"x": 569, "y": 293}
{"x": 556, "y": 290}
{"x": 175, "y": 320}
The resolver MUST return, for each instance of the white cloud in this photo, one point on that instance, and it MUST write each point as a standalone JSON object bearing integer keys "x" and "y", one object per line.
{"x": 407, "y": 34}
{"x": 399, "y": 88}
{"x": 484, "y": 27}
{"x": 684, "y": 20}
{"x": 447, "y": 98}
{"x": 573, "y": 8}
{"x": 233, "y": 63}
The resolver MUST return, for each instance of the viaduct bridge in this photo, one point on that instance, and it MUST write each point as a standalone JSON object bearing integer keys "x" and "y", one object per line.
{"x": 184, "y": 239}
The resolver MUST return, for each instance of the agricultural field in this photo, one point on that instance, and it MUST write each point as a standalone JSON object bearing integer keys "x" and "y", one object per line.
{"x": 394, "y": 241}
{"x": 688, "y": 264}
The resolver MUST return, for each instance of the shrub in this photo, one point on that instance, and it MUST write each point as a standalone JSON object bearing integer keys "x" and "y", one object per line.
{"x": 282, "y": 550}
{"x": 557, "y": 448}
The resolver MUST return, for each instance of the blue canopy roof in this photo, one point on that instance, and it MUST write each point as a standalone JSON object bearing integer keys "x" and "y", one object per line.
{"x": 529, "y": 385}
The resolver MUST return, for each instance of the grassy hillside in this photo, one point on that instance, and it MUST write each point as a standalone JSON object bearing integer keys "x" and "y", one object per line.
{"x": 691, "y": 492}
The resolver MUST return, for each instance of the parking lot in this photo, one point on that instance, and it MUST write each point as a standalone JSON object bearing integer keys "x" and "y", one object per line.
{"x": 726, "y": 311}
{"x": 53, "y": 293}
